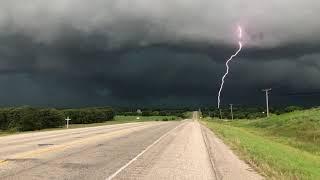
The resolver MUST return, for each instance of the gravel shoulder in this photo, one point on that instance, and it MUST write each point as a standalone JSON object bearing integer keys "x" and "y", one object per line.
{"x": 225, "y": 163}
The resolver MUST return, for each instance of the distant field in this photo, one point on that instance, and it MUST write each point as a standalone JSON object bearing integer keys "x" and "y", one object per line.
{"x": 117, "y": 120}
{"x": 281, "y": 147}
{"x": 144, "y": 118}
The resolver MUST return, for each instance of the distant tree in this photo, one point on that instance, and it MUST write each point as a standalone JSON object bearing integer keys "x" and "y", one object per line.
{"x": 292, "y": 108}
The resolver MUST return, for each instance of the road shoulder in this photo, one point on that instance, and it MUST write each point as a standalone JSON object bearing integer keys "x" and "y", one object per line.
{"x": 225, "y": 163}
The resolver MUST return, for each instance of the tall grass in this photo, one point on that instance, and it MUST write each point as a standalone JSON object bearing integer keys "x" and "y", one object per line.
{"x": 300, "y": 129}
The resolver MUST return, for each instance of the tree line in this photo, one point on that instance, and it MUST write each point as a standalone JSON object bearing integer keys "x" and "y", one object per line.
{"x": 243, "y": 112}
{"x": 153, "y": 112}
{"x": 30, "y": 118}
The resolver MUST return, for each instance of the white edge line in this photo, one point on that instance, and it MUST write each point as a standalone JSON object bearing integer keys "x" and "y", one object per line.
{"x": 141, "y": 153}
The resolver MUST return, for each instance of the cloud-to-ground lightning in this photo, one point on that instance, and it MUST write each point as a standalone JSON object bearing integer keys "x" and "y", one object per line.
{"x": 227, "y": 64}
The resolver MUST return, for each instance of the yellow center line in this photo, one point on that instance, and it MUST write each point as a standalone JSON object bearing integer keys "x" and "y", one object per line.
{"x": 67, "y": 145}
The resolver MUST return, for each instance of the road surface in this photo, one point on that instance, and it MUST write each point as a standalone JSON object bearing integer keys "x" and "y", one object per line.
{"x": 146, "y": 150}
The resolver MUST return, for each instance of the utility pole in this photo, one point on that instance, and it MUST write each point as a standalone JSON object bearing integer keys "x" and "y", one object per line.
{"x": 267, "y": 99}
{"x": 231, "y": 110}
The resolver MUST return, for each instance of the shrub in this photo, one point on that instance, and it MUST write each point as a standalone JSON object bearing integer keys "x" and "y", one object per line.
{"x": 89, "y": 115}
{"x": 23, "y": 119}
{"x": 4, "y": 123}
{"x": 51, "y": 118}
{"x": 28, "y": 118}
{"x": 165, "y": 119}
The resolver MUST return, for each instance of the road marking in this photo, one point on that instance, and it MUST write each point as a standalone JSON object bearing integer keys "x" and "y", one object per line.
{"x": 67, "y": 145}
{"x": 141, "y": 153}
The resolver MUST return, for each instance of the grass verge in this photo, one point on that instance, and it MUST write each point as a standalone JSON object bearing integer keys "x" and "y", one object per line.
{"x": 271, "y": 157}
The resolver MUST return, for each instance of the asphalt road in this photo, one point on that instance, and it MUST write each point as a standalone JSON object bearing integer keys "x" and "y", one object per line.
{"x": 146, "y": 150}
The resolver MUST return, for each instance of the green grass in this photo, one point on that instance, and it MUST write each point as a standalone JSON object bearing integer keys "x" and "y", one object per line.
{"x": 300, "y": 129}
{"x": 117, "y": 120}
{"x": 281, "y": 147}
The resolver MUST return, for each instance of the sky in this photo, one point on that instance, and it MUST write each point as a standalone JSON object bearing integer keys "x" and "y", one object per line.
{"x": 158, "y": 53}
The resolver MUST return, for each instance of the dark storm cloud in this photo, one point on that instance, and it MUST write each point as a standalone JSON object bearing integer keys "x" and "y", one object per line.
{"x": 266, "y": 24}
{"x": 81, "y": 52}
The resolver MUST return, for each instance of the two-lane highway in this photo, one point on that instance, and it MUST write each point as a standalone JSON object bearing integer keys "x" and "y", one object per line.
{"x": 86, "y": 153}
{"x": 146, "y": 150}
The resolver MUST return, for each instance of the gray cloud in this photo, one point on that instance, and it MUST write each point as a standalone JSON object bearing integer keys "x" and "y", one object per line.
{"x": 267, "y": 24}
{"x": 299, "y": 73}
{"x": 97, "y": 52}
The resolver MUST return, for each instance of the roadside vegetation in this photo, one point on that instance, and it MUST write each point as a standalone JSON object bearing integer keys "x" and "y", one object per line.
{"x": 21, "y": 119}
{"x": 244, "y": 112}
{"x": 29, "y": 118}
{"x": 283, "y": 146}
{"x": 182, "y": 112}
{"x": 116, "y": 120}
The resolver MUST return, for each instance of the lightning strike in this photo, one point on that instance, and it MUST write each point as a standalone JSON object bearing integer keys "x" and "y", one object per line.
{"x": 227, "y": 64}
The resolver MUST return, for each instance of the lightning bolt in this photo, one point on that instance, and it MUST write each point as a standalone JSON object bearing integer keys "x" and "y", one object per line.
{"x": 227, "y": 64}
